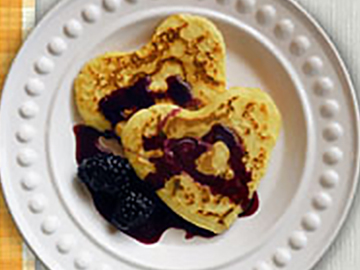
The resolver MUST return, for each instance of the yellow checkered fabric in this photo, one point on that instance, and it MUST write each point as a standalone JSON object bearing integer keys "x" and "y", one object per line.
{"x": 16, "y": 19}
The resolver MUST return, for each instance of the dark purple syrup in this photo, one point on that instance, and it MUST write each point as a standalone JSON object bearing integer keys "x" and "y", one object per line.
{"x": 180, "y": 156}
{"x": 252, "y": 207}
{"x": 178, "y": 91}
{"x": 87, "y": 142}
{"x": 122, "y": 103}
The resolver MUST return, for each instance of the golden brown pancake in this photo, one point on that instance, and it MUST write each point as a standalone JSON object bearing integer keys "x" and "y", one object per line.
{"x": 252, "y": 117}
{"x": 185, "y": 45}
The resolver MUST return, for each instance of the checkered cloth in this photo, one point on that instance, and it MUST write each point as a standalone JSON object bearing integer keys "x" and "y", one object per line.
{"x": 16, "y": 20}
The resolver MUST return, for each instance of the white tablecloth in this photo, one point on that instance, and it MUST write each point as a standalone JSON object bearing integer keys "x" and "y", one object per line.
{"x": 341, "y": 20}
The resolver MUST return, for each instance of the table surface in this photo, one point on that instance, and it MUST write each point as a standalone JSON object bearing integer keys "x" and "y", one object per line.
{"x": 341, "y": 21}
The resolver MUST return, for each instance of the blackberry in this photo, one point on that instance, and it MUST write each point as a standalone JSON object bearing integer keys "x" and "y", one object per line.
{"x": 119, "y": 195}
{"x": 105, "y": 173}
{"x": 134, "y": 206}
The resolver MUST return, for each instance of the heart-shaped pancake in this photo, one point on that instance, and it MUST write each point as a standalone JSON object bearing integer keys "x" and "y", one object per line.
{"x": 205, "y": 164}
{"x": 187, "y": 46}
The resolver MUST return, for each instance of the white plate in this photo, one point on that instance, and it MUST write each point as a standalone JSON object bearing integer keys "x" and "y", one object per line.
{"x": 271, "y": 44}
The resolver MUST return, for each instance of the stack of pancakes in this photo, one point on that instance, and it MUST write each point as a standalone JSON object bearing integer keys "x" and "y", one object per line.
{"x": 192, "y": 48}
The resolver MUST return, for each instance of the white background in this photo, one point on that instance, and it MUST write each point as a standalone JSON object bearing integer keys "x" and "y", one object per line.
{"x": 341, "y": 20}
